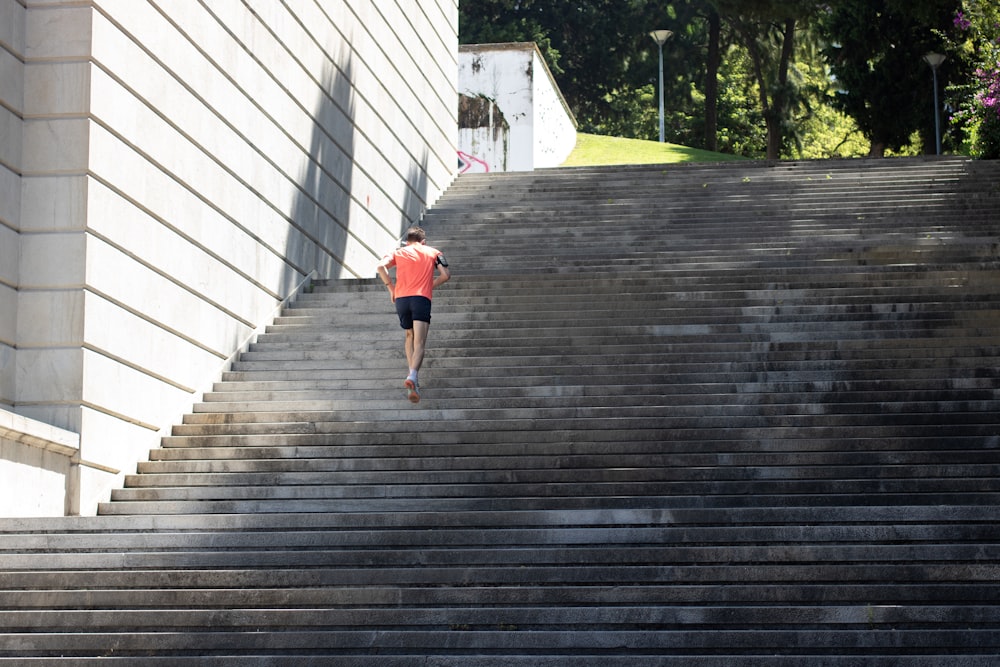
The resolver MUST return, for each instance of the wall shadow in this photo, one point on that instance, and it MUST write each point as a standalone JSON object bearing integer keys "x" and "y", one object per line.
{"x": 415, "y": 201}
{"x": 321, "y": 212}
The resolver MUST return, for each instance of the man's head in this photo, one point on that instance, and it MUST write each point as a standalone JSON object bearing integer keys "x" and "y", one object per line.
{"x": 415, "y": 235}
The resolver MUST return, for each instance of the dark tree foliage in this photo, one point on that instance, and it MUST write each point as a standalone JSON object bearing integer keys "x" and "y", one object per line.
{"x": 770, "y": 30}
{"x": 691, "y": 75}
{"x": 500, "y": 21}
{"x": 600, "y": 52}
{"x": 713, "y": 60}
{"x": 731, "y": 80}
{"x": 875, "y": 49}
{"x": 605, "y": 53}
{"x": 606, "y": 63}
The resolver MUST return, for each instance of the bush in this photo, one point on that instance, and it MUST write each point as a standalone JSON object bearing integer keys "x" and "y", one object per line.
{"x": 987, "y": 146}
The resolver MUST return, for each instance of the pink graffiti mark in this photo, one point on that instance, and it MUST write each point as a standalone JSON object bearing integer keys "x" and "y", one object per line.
{"x": 471, "y": 164}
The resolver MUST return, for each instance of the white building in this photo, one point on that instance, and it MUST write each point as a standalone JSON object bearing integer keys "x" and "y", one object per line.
{"x": 512, "y": 116}
{"x": 170, "y": 173}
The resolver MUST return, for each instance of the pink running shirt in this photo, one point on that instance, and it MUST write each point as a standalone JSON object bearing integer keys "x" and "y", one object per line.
{"x": 414, "y": 269}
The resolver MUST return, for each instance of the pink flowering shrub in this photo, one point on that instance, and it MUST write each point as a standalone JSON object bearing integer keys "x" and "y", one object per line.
{"x": 987, "y": 100}
{"x": 981, "y": 111}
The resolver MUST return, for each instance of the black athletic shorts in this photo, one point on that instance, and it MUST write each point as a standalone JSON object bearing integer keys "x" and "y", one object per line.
{"x": 411, "y": 308}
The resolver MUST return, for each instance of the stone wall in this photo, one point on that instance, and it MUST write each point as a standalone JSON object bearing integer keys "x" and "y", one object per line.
{"x": 37, "y": 466}
{"x": 185, "y": 168}
{"x": 11, "y": 112}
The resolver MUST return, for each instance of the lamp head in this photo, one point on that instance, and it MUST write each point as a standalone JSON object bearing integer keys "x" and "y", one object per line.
{"x": 660, "y": 36}
{"x": 935, "y": 59}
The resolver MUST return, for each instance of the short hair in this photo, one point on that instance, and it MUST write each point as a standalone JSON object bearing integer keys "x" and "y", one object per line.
{"x": 416, "y": 235}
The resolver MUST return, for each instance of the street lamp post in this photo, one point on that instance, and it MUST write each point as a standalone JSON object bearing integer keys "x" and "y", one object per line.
{"x": 935, "y": 60}
{"x": 661, "y": 36}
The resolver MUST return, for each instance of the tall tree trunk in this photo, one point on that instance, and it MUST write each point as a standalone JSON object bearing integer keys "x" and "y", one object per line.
{"x": 712, "y": 81}
{"x": 779, "y": 100}
{"x": 766, "y": 107}
{"x": 773, "y": 105}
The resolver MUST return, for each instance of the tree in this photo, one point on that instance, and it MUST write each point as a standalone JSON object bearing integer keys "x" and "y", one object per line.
{"x": 741, "y": 123}
{"x": 712, "y": 62}
{"x": 768, "y": 29}
{"x": 818, "y": 129}
{"x": 875, "y": 49}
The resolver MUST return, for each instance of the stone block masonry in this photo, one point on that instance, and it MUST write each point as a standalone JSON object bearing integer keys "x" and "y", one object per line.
{"x": 171, "y": 172}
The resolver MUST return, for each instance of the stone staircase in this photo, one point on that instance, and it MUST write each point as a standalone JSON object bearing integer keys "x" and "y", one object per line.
{"x": 708, "y": 415}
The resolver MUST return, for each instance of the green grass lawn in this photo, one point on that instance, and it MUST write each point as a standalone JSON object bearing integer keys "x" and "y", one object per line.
{"x": 594, "y": 150}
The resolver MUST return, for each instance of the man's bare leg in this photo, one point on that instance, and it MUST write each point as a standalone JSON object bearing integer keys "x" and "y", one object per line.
{"x": 416, "y": 343}
{"x": 416, "y": 340}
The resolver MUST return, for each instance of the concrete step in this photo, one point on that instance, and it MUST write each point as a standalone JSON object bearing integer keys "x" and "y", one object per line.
{"x": 803, "y": 518}
{"x": 120, "y": 534}
{"x": 590, "y": 472}
{"x": 365, "y": 444}
{"x": 513, "y": 564}
{"x": 582, "y": 395}
{"x": 522, "y": 618}
{"x": 467, "y": 644}
{"x": 824, "y": 497}
{"x": 601, "y": 659}
{"x": 379, "y": 494}
{"x": 651, "y": 406}
{"x": 357, "y": 455}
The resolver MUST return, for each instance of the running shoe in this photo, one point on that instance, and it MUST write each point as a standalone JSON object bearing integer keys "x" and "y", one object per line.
{"x": 412, "y": 390}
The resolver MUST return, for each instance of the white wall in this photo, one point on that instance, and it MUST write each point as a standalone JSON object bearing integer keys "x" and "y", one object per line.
{"x": 36, "y": 466}
{"x": 531, "y": 126}
{"x": 11, "y": 111}
{"x": 555, "y": 135}
{"x": 187, "y": 166}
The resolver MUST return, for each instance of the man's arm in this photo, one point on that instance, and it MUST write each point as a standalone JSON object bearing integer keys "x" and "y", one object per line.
{"x": 383, "y": 272}
{"x": 443, "y": 276}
